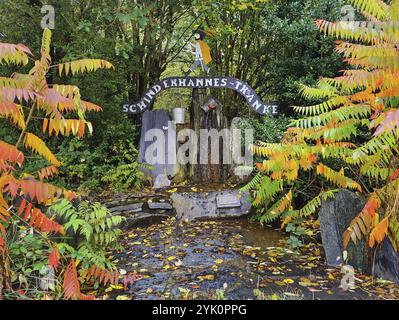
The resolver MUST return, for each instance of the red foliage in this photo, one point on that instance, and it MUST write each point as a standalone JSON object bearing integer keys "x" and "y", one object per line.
{"x": 46, "y": 173}
{"x": 9, "y": 153}
{"x": 394, "y": 175}
{"x": 372, "y": 206}
{"x": 37, "y": 219}
{"x": 54, "y": 258}
{"x": 105, "y": 276}
{"x": 72, "y": 285}
{"x": 39, "y": 191}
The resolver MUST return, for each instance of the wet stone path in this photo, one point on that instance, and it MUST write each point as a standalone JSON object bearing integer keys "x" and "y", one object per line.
{"x": 229, "y": 259}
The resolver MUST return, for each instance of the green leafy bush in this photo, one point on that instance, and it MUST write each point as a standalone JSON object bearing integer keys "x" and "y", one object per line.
{"x": 29, "y": 255}
{"x": 127, "y": 174}
{"x": 268, "y": 129}
{"x": 91, "y": 230}
{"x": 86, "y": 168}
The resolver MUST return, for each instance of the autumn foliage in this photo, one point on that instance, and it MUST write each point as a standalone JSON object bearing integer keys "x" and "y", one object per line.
{"x": 25, "y": 98}
{"x": 364, "y": 98}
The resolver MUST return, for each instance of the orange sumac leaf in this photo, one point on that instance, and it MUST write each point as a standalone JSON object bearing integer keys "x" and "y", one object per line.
{"x": 88, "y": 106}
{"x": 4, "y": 215}
{"x": 39, "y": 191}
{"x": 22, "y": 207}
{"x": 361, "y": 225}
{"x": 72, "y": 285}
{"x": 358, "y": 228}
{"x": 37, "y": 219}
{"x": 379, "y": 233}
{"x": 372, "y": 206}
{"x": 71, "y": 282}
{"x": 54, "y": 258}
{"x": 46, "y": 173}
{"x": 394, "y": 175}
{"x": 11, "y": 154}
{"x": 104, "y": 276}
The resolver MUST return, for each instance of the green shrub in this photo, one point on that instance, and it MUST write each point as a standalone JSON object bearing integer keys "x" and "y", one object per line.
{"x": 91, "y": 229}
{"x": 127, "y": 174}
{"x": 29, "y": 255}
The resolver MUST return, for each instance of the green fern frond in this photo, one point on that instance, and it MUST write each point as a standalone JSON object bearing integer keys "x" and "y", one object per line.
{"x": 312, "y": 206}
{"x": 339, "y": 115}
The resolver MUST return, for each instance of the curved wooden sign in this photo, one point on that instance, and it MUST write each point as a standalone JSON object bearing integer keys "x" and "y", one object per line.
{"x": 202, "y": 82}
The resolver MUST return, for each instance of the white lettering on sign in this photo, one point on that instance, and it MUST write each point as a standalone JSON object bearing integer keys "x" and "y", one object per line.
{"x": 201, "y": 82}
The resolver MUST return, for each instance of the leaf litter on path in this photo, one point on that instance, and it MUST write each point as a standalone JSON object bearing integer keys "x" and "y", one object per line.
{"x": 196, "y": 260}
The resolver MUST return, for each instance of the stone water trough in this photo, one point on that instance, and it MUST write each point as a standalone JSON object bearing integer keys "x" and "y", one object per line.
{"x": 186, "y": 206}
{"x": 217, "y": 204}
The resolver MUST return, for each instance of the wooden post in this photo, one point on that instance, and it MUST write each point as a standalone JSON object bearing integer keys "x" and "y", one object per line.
{"x": 206, "y": 173}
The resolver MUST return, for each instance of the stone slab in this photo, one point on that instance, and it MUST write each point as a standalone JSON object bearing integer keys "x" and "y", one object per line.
{"x": 228, "y": 201}
{"x": 135, "y": 207}
{"x": 197, "y": 205}
{"x": 160, "y": 206}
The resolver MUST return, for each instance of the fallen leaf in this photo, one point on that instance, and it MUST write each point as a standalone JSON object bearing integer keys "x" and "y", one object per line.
{"x": 178, "y": 263}
{"x": 209, "y": 277}
{"x": 288, "y": 281}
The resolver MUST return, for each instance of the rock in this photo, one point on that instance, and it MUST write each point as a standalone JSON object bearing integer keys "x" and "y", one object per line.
{"x": 48, "y": 281}
{"x": 161, "y": 182}
{"x": 387, "y": 262}
{"x": 335, "y": 217}
{"x": 160, "y": 206}
{"x": 157, "y": 283}
{"x": 196, "y": 205}
{"x": 135, "y": 207}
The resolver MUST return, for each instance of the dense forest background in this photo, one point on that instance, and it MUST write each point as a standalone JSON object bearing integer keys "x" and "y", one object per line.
{"x": 272, "y": 45}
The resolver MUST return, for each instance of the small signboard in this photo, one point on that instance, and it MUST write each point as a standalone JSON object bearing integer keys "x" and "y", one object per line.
{"x": 228, "y": 201}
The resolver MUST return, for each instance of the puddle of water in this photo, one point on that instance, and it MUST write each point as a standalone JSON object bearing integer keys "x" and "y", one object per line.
{"x": 258, "y": 236}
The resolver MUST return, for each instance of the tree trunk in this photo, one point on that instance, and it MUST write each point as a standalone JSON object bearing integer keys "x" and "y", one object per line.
{"x": 206, "y": 173}
{"x": 5, "y": 272}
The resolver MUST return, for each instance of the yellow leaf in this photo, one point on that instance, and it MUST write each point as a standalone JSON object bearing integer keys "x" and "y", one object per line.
{"x": 209, "y": 277}
{"x": 114, "y": 287}
{"x": 38, "y": 146}
{"x": 288, "y": 281}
